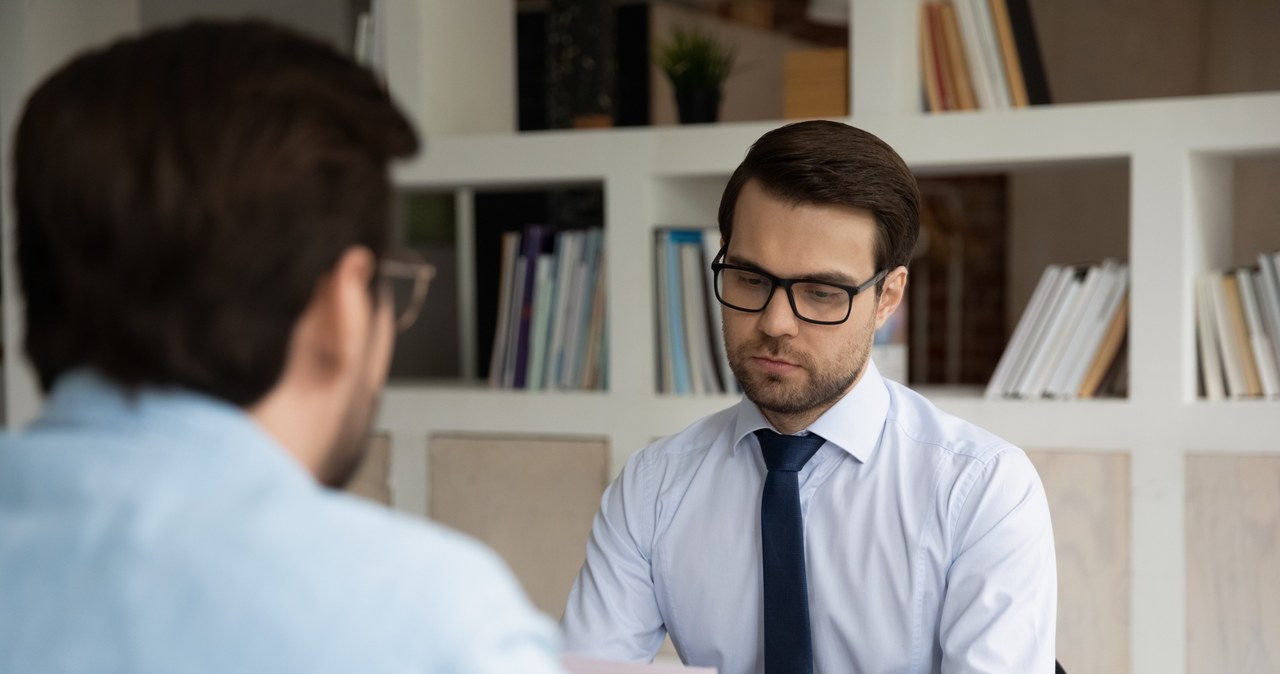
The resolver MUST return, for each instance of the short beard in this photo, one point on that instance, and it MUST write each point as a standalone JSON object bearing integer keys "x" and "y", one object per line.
{"x": 824, "y": 389}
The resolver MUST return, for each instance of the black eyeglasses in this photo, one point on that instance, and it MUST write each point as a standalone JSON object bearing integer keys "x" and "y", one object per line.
{"x": 406, "y": 278}
{"x": 812, "y": 301}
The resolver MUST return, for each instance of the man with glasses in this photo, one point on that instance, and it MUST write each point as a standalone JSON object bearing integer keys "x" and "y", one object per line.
{"x": 832, "y": 521}
{"x": 202, "y": 227}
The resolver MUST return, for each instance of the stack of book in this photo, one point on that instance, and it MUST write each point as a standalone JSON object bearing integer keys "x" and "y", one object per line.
{"x": 1238, "y": 330}
{"x": 980, "y": 54}
{"x": 691, "y": 353}
{"x": 1069, "y": 342}
{"x": 550, "y": 328}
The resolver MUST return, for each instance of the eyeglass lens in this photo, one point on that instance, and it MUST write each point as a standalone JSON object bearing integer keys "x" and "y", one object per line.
{"x": 750, "y": 291}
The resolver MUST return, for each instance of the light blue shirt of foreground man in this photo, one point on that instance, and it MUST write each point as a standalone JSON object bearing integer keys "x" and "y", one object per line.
{"x": 918, "y": 543}
{"x": 202, "y": 225}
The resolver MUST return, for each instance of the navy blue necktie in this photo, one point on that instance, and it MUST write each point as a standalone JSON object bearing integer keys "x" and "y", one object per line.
{"x": 788, "y": 645}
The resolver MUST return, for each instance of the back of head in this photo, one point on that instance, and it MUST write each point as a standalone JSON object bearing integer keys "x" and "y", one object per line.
{"x": 180, "y": 194}
{"x": 829, "y": 163}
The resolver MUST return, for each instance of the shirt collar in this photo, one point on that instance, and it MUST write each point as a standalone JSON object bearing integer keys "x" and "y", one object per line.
{"x": 853, "y": 424}
{"x": 84, "y": 398}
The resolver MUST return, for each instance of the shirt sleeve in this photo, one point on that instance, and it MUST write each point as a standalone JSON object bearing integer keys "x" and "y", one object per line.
{"x": 1000, "y": 607}
{"x": 612, "y": 612}
{"x": 495, "y": 630}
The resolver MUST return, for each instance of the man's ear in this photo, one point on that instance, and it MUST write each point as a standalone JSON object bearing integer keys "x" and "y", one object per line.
{"x": 895, "y": 288}
{"x": 333, "y": 332}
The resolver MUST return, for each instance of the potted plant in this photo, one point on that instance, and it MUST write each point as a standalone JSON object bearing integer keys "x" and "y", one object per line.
{"x": 697, "y": 65}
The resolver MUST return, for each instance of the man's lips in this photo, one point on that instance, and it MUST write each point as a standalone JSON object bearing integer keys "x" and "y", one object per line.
{"x": 772, "y": 364}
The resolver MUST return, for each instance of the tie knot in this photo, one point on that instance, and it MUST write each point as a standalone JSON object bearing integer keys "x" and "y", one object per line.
{"x": 787, "y": 453}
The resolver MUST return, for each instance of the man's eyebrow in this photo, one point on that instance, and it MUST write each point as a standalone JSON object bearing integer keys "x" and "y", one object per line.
{"x": 832, "y": 277}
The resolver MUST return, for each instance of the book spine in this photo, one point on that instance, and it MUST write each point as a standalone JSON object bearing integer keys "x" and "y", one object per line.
{"x": 1024, "y": 35}
{"x": 928, "y": 64}
{"x": 1207, "y": 340}
{"x": 532, "y": 247}
{"x": 1009, "y": 54}
{"x": 1269, "y": 299}
{"x": 1260, "y": 346}
{"x": 969, "y": 36}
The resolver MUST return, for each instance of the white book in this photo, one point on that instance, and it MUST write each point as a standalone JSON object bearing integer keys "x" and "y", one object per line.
{"x": 710, "y": 248}
{"x": 1226, "y": 340}
{"x": 506, "y": 290}
{"x": 1261, "y": 345}
{"x": 1031, "y": 384}
{"x": 971, "y": 40}
{"x": 1210, "y": 353}
{"x": 513, "y": 323}
{"x": 1006, "y": 371}
{"x": 697, "y": 328}
{"x": 1076, "y": 333}
{"x": 540, "y": 323}
{"x": 1062, "y": 281}
{"x": 1269, "y": 300}
{"x": 993, "y": 60}
{"x": 566, "y": 262}
{"x": 1113, "y": 287}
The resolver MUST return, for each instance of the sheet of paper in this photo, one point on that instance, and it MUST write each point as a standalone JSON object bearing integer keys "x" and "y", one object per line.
{"x": 580, "y": 665}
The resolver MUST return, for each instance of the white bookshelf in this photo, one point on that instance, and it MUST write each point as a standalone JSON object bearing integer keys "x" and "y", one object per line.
{"x": 1178, "y": 152}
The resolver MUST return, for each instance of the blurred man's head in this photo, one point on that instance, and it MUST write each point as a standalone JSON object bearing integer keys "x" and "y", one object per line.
{"x": 195, "y": 207}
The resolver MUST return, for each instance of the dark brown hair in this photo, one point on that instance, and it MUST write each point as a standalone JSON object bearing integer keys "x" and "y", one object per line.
{"x": 829, "y": 163}
{"x": 180, "y": 194}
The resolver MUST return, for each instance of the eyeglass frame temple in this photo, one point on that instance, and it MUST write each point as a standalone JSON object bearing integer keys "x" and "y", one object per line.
{"x": 422, "y": 274}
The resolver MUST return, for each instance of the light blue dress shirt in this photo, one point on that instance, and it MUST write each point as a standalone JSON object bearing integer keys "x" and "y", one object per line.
{"x": 927, "y": 541}
{"x": 167, "y": 532}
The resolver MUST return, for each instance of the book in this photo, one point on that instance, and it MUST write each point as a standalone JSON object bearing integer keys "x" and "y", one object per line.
{"x": 932, "y": 88}
{"x": 666, "y": 364}
{"x": 989, "y": 50}
{"x": 1227, "y": 342}
{"x": 1032, "y": 382}
{"x": 513, "y": 324}
{"x": 593, "y": 293}
{"x": 1069, "y": 342}
{"x": 506, "y": 290}
{"x": 595, "y": 373}
{"x": 1032, "y": 66}
{"x": 1067, "y": 348}
{"x": 540, "y": 321}
{"x": 1025, "y": 334}
{"x": 566, "y": 266}
{"x": 1260, "y": 344}
{"x": 1268, "y": 293}
{"x": 1211, "y": 377}
{"x": 531, "y": 247}
{"x": 1242, "y": 350}
{"x": 959, "y": 61}
{"x": 1009, "y": 54}
{"x": 970, "y": 38}
{"x": 1099, "y": 317}
{"x": 1109, "y": 352}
